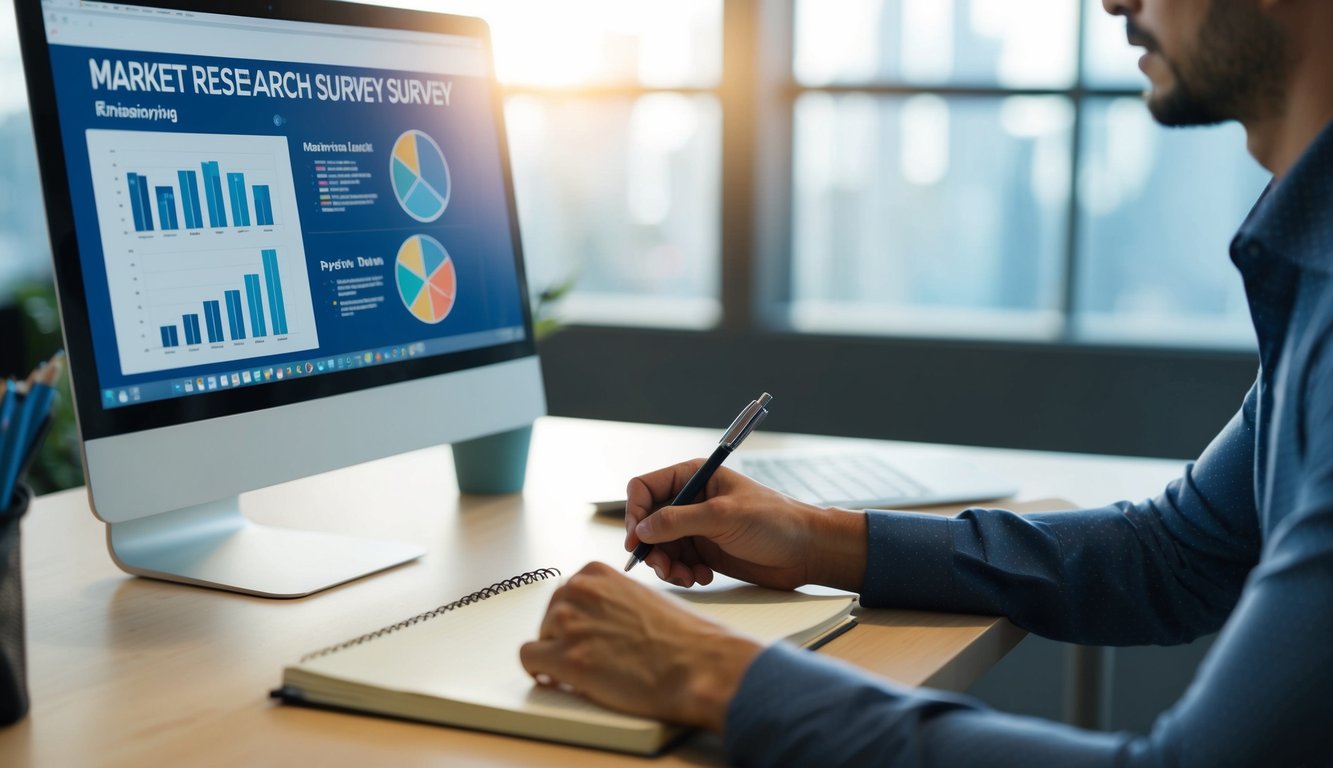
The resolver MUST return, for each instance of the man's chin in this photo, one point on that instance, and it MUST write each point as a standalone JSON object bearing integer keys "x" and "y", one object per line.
{"x": 1175, "y": 107}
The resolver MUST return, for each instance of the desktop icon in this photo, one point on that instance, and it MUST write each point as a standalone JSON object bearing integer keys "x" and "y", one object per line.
{"x": 199, "y": 383}
{"x": 309, "y": 368}
{"x": 279, "y": 374}
{"x": 123, "y": 396}
{"x": 223, "y": 380}
{"x": 320, "y": 366}
{"x": 177, "y": 388}
{"x": 212, "y": 382}
{"x": 379, "y": 358}
{"x": 268, "y": 374}
{"x": 189, "y": 385}
{"x": 109, "y": 395}
{"x": 245, "y": 376}
{"x": 236, "y": 379}
{"x": 369, "y": 358}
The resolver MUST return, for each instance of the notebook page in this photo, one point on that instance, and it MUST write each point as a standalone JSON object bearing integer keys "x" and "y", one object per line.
{"x": 765, "y": 614}
{"x": 470, "y": 654}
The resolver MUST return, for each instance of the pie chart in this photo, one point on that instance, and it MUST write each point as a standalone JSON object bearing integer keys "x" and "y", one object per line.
{"x": 426, "y": 278}
{"x": 420, "y": 176}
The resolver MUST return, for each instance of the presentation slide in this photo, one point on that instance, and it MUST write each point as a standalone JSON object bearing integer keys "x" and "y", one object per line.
{"x": 236, "y": 214}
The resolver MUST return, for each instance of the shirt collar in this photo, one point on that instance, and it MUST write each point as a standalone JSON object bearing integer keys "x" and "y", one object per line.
{"x": 1293, "y": 220}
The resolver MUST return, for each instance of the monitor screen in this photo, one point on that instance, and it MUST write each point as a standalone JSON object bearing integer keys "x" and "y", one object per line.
{"x": 285, "y": 242}
{"x": 268, "y": 209}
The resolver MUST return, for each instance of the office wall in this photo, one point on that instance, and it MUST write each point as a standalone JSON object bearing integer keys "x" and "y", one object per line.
{"x": 1122, "y": 401}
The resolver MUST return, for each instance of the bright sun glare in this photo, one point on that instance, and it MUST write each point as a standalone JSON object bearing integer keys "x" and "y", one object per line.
{"x": 584, "y": 42}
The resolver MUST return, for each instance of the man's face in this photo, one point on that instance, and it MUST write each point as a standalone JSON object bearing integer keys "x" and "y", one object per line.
{"x": 1207, "y": 61}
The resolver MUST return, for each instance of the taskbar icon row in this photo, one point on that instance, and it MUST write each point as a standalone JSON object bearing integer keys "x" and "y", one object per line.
{"x": 260, "y": 375}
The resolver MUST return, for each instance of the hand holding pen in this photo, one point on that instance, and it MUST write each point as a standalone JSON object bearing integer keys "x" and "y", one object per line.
{"x": 740, "y": 429}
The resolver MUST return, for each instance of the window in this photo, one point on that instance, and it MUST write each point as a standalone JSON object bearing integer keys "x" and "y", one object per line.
{"x": 25, "y": 254}
{"x": 615, "y": 125}
{"x": 957, "y": 169}
{"x": 960, "y": 169}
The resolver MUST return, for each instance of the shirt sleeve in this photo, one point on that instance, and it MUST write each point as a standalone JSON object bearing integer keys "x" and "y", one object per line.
{"x": 1259, "y": 698}
{"x": 1162, "y": 571}
{"x": 795, "y": 707}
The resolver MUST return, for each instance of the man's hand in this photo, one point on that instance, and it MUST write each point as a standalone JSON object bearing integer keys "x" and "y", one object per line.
{"x": 744, "y": 530}
{"x": 638, "y": 651}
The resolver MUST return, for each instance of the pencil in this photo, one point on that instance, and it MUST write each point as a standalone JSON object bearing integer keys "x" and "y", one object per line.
{"x": 22, "y": 428}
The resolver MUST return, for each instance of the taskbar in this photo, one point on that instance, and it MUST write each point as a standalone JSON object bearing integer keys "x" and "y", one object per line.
{"x": 257, "y": 374}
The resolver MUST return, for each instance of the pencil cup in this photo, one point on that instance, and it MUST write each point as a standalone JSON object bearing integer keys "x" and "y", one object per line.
{"x": 13, "y": 660}
{"x": 493, "y": 463}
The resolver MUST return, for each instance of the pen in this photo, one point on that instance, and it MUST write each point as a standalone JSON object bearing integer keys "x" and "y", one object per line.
{"x": 737, "y": 432}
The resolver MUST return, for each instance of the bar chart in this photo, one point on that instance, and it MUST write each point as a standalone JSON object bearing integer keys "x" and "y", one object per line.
{"x": 236, "y": 209}
{"x": 174, "y": 182}
{"x": 259, "y": 314}
{"x": 232, "y": 304}
{"x": 203, "y": 250}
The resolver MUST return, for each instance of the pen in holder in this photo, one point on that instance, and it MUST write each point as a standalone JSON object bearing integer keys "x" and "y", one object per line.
{"x": 13, "y": 658}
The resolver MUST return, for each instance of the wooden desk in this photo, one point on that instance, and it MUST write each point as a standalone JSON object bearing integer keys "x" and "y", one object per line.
{"x": 134, "y": 672}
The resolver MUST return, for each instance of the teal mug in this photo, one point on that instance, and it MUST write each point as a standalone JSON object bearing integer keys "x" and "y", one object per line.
{"x": 493, "y": 463}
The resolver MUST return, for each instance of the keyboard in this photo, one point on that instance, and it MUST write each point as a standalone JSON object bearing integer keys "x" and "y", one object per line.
{"x": 860, "y": 479}
{"x": 834, "y": 478}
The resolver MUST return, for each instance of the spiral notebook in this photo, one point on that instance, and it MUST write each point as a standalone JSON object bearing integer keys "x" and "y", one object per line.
{"x": 458, "y": 664}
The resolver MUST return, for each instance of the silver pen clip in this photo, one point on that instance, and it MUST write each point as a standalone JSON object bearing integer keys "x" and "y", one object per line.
{"x": 745, "y": 423}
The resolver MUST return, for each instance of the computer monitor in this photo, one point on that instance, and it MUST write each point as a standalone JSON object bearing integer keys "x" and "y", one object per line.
{"x": 285, "y": 241}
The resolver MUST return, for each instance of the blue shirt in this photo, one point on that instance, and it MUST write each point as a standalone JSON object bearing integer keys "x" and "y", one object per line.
{"x": 1241, "y": 543}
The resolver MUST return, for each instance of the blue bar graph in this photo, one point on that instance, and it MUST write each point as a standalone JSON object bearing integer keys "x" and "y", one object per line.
{"x": 236, "y": 199}
{"x": 217, "y": 215}
{"x": 235, "y": 319}
{"x": 273, "y": 280}
{"x": 166, "y": 207}
{"x": 256, "y": 305}
{"x": 191, "y": 322}
{"x": 143, "y": 214}
{"x": 213, "y": 319}
{"x": 189, "y": 184}
{"x": 240, "y": 209}
{"x": 263, "y": 206}
{"x": 239, "y": 304}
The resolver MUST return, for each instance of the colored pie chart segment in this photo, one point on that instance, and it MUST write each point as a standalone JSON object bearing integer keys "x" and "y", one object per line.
{"x": 420, "y": 176}
{"x": 426, "y": 278}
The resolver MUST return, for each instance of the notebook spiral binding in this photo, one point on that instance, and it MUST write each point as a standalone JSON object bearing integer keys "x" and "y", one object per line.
{"x": 498, "y": 587}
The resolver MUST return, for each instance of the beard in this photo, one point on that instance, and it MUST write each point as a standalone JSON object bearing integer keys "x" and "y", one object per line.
{"x": 1235, "y": 71}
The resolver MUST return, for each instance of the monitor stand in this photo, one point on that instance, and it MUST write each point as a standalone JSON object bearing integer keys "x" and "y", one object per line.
{"x": 214, "y": 545}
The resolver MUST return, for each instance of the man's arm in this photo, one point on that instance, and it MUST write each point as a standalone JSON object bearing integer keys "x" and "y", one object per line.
{"x": 1161, "y": 571}
{"x": 1259, "y": 698}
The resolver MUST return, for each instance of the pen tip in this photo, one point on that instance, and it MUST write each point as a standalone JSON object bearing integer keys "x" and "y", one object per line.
{"x": 633, "y": 561}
